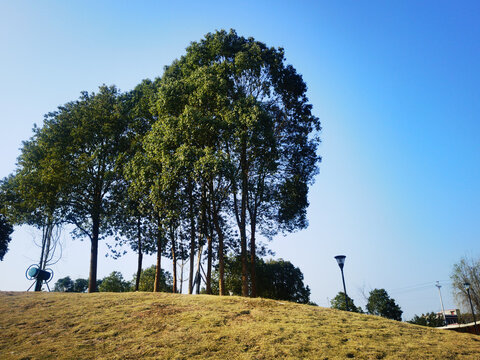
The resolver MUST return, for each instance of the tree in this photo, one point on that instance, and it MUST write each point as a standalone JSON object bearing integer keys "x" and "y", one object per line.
{"x": 32, "y": 195}
{"x": 430, "y": 319}
{"x": 147, "y": 280}
{"x": 86, "y": 138}
{"x": 114, "y": 283}
{"x": 467, "y": 270}
{"x": 276, "y": 279}
{"x": 380, "y": 304}
{"x": 80, "y": 285}
{"x": 338, "y": 302}
{"x": 231, "y": 104}
{"x": 133, "y": 221}
{"x": 66, "y": 284}
{"x": 5, "y": 230}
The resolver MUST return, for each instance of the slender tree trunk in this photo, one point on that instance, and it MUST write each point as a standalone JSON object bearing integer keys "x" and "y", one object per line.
{"x": 182, "y": 264}
{"x": 192, "y": 244}
{"x": 199, "y": 265}
{"x": 38, "y": 283}
{"x": 216, "y": 223}
{"x": 92, "y": 282}
{"x": 158, "y": 269}
{"x": 174, "y": 260}
{"x": 253, "y": 275}
{"x": 208, "y": 280}
{"x": 221, "y": 260}
{"x": 243, "y": 220}
{"x": 140, "y": 254}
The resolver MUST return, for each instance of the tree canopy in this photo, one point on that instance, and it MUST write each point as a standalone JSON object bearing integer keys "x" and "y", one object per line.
{"x": 66, "y": 284}
{"x": 5, "y": 231}
{"x": 380, "y": 304}
{"x": 467, "y": 270}
{"x": 338, "y": 302}
{"x": 197, "y": 163}
{"x": 430, "y": 319}
{"x": 276, "y": 279}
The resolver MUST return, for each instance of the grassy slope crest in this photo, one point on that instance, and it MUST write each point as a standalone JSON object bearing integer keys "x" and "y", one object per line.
{"x": 149, "y": 325}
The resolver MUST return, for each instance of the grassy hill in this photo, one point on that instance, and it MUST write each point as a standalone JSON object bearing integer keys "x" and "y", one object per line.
{"x": 168, "y": 326}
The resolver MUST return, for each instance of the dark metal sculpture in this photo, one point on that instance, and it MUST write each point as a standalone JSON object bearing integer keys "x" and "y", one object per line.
{"x": 35, "y": 273}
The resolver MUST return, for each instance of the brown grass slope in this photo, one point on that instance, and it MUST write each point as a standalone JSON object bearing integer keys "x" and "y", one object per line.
{"x": 168, "y": 326}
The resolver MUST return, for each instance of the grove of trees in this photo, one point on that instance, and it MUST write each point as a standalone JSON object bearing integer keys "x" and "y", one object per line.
{"x": 275, "y": 279}
{"x": 430, "y": 319}
{"x": 197, "y": 163}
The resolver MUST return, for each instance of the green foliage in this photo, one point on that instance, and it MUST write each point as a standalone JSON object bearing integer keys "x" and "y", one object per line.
{"x": 5, "y": 231}
{"x": 430, "y": 319}
{"x": 380, "y": 304}
{"x": 147, "y": 280}
{"x": 114, "y": 283}
{"x": 225, "y": 136}
{"x": 80, "y": 285}
{"x": 338, "y": 302}
{"x": 276, "y": 279}
{"x": 467, "y": 270}
{"x": 66, "y": 284}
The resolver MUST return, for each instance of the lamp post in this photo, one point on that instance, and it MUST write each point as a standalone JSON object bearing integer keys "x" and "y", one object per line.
{"x": 441, "y": 302}
{"x": 467, "y": 287}
{"x": 341, "y": 261}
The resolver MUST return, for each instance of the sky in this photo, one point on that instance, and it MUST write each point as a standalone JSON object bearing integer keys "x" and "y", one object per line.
{"x": 395, "y": 85}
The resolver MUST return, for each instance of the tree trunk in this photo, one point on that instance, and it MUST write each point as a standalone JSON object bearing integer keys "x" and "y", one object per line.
{"x": 158, "y": 269}
{"x": 243, "y": 218}
{"x": 192, "y": 245}
{"x": 140, "y": 255}
{"x": 208, "y": 280}
{"x": 199, "y": 265}
{"x": 221, "y": 261}
{"x": 174, "y": 260}
{"x": 253, "y": 275}
{"x": 92, "y": 282}
{"x": 38, "y": 284}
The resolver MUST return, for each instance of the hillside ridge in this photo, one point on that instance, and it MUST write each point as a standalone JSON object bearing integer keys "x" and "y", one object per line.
{"x": 173, "y": 326}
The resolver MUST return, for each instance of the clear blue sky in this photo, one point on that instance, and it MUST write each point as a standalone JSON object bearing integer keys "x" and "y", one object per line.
{"x": 395, "y": 84}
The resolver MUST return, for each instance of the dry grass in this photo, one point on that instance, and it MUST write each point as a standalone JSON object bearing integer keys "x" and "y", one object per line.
{"x": 167, "y": 326}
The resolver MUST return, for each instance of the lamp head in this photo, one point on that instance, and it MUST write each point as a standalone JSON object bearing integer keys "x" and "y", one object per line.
{"x": 340, "y": 260}
{"x": 467, "y": 285}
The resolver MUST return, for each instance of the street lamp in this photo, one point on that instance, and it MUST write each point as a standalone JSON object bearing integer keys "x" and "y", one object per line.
{"x": 441, "y": 302}
{"x": 467, "y": 287}
{"x": 341, "y": 261}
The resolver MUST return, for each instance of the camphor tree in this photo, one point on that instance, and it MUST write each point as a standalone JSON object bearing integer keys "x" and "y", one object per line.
{"x": 237, "y": 108}
{"x": 32, "y": 195}
{"x": 276, "y": 279}
{"x": 467, "y": 270}
{"x": 66, "y": 284}
{"x": 338, "y": 302}
{"x": 5, "y": 230}
{"x": 430, "y": 319}
{"x": 86, "y": 138}
{"x": 133, "y": 222}
{"x": 147, "y": 280}
{"x": 114, "y": 283}
{"x": 380, "y": 304}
